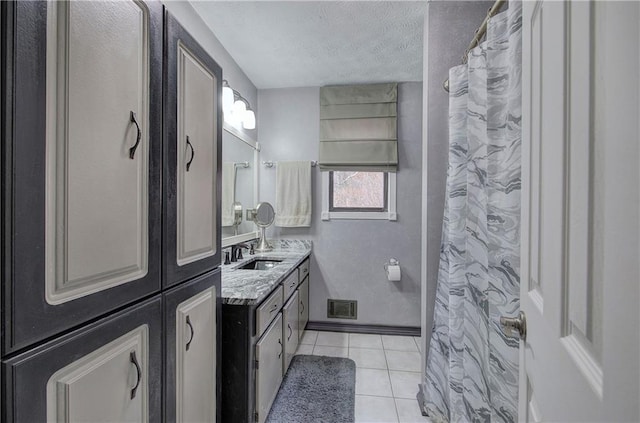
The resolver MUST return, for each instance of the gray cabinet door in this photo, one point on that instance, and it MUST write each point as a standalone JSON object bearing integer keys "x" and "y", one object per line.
{"x": 108, "y": 371}
{"x": 303, "y": 292}
{"x": 192, "y": 377}
{"x": 193, "y": 133}
{"x": 269, "y": 372}
{"x": 290, "y": 328}
{"x": 107, "y": 385}
{"x": 196, "y": 358}
{"x": 83, "y": 185}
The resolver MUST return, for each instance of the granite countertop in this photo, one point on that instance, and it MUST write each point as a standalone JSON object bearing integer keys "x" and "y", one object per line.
{"x": 249, "y": 287}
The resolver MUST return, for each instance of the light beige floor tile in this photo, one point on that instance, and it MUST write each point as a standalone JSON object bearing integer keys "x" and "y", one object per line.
{"x": 375, "y": 410}
{"x": 399, "y": 343}
{"x": 368, "y": 358}
{"x": 331, "y": 351}
{"x": 304, "y": 349}
{"x": 333, "y": 339}
{"x": 373, "y": 382}
{"x": 309, "y": 337}
{"x": 409, "y": 411}
{"x": 403, "y": 360}
{"x": 363, "y": 340}
{"x": 404, "y": 384}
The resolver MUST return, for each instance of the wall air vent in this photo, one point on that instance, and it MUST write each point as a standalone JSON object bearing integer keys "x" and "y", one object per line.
{"x": 342, "y": 309}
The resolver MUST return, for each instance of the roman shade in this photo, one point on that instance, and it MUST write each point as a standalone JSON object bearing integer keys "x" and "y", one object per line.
{"x": 358, "y": 127}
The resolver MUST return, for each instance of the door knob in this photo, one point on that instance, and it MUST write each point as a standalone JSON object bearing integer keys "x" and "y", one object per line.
{"x": 515, "y": 326}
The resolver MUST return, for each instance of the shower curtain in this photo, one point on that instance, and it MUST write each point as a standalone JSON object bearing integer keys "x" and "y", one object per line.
{"x": 472, "y": 367}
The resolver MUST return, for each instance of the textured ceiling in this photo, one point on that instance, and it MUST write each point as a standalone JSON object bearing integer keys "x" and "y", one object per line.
{"x": 282, "y": 44}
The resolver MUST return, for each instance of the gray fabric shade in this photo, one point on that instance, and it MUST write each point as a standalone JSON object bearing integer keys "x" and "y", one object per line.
{"x": 358, "y": 127}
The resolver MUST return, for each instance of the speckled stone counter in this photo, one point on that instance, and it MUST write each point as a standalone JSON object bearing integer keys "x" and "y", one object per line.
{"x": 249, "y": 287}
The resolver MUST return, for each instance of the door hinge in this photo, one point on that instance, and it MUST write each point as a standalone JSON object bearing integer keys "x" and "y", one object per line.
{"x": 255, "y": 416}
{"x": 257, "y": 364}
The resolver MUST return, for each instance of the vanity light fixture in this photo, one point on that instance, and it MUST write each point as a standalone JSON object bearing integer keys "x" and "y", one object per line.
{"x": 236, "y": 108}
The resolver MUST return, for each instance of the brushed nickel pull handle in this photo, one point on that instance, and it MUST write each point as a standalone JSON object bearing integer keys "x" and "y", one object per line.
{"x": 192, "y": 332}
{"x": 280, "y": 353}
{"x": 275, "y": 307}
{"x": 302, "y": 304}
{"x": 134, "y": 360}
{"x": 290, "y": 331}
{"x": 193, "y": 153}
{"x": 132, "y": 150}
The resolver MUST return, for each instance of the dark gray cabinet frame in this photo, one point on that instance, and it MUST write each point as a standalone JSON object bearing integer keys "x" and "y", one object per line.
{"x": 27, "y": 318}
{"x": 174, "y": 33}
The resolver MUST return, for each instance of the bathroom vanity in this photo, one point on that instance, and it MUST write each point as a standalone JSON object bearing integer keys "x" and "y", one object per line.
{"x": 264, "y": 313}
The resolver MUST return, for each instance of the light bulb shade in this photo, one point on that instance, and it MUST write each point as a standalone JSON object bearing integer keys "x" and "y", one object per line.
{"x": 239, "y": 108}
{"x": 227, "y": 99}
{"x": 249, "y": 120}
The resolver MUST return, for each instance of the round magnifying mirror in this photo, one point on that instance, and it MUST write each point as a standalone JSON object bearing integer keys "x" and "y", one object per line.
{"x": 264, "y": 216}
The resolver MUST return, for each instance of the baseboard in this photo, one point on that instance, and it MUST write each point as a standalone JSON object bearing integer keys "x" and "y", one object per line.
{"x": 374, "y": 329}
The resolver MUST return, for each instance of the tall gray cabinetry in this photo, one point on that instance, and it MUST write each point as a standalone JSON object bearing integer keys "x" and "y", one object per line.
{"x": 85, "y": 285}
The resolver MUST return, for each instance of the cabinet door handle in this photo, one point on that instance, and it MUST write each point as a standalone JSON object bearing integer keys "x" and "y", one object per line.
{"x": 132, "y": 150}
{"x": 193, "y": 153}
{"x": 280, "y": 353}
{"x": 134, "y": 360}
{"x": 192, "y": 332}
{"x": 290, "y": 331}
{"x": 275, "y": 307}
{"x": 302, "y": 304}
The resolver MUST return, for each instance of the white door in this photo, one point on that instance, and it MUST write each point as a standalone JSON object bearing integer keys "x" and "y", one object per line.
{"x": 108, "y": 385}
{"x": 197, "y": 159}
{"x": 269, "y": 368}
{"x": 290, "y": 329}
{"x": 580, "y": 211}
{"x": 97, "y": 147}
{"x": 196, "y": 358}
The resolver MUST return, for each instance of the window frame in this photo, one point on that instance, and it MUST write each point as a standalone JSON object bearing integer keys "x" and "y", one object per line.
{"x": 359, "y": 213}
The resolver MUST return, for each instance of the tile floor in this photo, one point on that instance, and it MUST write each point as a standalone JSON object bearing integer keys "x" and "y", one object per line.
{"x": 387, "y": 372}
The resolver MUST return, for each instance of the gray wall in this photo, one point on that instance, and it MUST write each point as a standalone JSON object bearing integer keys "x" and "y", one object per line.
{"x": 349, "y": 254}
{"x": 193, "y": 23}
{"x": 450, "y": 26}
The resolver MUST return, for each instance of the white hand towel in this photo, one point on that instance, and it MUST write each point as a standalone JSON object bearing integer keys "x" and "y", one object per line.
{"x": 228, "y": 182}
{"x": 293, "y": 194}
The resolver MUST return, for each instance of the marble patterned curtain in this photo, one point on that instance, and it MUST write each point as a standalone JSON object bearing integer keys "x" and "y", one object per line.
{"x": 472, "y": 367}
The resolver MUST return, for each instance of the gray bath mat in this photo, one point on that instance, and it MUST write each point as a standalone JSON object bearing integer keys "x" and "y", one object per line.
{"x": 316, "y": 390}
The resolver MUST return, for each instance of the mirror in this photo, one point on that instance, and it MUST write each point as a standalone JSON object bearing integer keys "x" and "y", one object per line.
{"x": 239, "y": 185}
{"x": 264, "y": 216}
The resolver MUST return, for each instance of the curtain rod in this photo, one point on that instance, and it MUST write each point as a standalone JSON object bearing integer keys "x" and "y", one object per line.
{"x": 482, "y": 29}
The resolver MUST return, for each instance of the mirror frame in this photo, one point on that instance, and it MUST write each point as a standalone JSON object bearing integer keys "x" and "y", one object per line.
{"x": 231, "y": 240}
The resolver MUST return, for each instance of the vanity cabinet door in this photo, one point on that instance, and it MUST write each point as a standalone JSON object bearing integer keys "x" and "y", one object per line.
{"x": 108, "y": 372}
{"x": 193, "y": 147}
{"x": 191, "y": 379}
{"x": 290, "y": 329}
{"x": 82, "y": 182}
{"x": 269, "y": 368}
{"x": 303, "y": 292}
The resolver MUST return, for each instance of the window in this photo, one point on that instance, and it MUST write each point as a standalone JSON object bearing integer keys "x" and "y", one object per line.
{"x": 358, "y": 195}
{"x": 358, "y": 191}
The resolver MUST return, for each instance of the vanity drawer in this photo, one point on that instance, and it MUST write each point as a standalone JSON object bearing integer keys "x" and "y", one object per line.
{"x": 268, "y": 310}
{"x": 304, "y": 269}
{"x": 290, "y": 284}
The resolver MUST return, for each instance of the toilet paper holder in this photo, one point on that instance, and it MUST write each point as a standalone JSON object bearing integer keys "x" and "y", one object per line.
{"x": 391, "y": 262}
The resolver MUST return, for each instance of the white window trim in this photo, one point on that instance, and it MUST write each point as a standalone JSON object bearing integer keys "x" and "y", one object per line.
{"x": 360, "y": 215}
